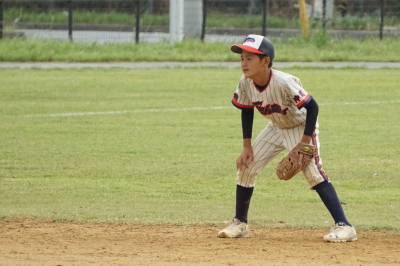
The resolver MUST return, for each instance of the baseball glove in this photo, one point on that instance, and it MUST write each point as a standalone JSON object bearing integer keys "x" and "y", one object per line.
{"x": 290, "y": 165}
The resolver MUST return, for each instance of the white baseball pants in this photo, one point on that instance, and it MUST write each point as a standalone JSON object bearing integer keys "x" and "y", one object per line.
{"x": 269, "y": 144}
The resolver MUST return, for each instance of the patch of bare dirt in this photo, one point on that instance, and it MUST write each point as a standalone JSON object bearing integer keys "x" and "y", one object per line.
{"x": 27, "y": 241}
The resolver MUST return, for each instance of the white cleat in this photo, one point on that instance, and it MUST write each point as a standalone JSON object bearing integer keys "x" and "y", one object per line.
{"x": 235, "y": 229}
{"x": 341, "y": 233}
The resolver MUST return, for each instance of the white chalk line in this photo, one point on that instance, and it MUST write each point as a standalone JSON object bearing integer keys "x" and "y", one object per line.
{"x": 131, "y": 112}
{"x": 187, "y": 109}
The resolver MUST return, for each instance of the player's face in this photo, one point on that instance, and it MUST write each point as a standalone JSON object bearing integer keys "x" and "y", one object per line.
{"x": 252, "y": 66}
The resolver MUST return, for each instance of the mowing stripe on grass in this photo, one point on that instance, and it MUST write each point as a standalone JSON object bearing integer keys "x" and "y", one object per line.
{"x": 186, "y": 109}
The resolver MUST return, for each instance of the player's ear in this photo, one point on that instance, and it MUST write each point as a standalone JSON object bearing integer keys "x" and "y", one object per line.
{"x": 267, "y": 60}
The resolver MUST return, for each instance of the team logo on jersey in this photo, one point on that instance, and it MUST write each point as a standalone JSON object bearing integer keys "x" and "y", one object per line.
{"x": 296, "y": 98}
{"x": 269, "y": 109}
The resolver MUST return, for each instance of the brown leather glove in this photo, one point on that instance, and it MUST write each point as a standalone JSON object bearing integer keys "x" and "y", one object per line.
{"x": 295, "y": 161}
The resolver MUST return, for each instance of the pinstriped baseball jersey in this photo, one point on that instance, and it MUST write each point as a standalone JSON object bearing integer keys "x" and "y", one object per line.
{"x": 280, "y": 100}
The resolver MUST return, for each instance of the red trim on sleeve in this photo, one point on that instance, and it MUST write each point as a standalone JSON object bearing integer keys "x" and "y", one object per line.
{"x": 303, "y": 101}
{"x": 239, "y": 105}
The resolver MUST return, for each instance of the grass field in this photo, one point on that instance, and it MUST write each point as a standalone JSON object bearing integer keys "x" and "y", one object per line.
{"x": 320, "y": 48}
{"x": 158, "y": 146}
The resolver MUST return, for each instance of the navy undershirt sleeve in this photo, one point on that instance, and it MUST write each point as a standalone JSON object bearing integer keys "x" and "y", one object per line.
{"x": 311, "y": 118}
{"x": 247, "y": 122}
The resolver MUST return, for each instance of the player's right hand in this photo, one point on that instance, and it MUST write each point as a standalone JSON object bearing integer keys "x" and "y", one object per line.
{"x": 245, "y": 158}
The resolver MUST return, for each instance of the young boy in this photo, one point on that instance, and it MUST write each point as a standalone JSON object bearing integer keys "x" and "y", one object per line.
{"x": 293, "y": 112}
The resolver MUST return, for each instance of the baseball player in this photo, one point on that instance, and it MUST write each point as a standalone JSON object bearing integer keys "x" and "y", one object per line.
{"x": 292, "y": 112}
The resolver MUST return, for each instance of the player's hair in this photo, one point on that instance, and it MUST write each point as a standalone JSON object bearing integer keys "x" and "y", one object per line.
{"x": 261, "y": 56}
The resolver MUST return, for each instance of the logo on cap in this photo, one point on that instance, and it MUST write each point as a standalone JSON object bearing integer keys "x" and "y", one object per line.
{"x": 248, "y": 39}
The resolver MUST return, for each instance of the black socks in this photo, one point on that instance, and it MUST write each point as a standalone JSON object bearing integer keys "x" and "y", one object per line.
{"x": 328, "y": 195}
{"x": 325, "y": 190}
{"x": 243, "y": 197}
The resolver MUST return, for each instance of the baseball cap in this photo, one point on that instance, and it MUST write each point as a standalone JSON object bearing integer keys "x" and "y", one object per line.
{"x": 255, "y": 44}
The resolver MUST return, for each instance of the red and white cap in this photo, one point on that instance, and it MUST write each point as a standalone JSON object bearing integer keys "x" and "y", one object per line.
{"x": 256, "y": 44}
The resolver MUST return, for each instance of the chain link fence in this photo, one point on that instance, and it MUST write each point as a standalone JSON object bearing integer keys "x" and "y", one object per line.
{"x": 148, "y": 21}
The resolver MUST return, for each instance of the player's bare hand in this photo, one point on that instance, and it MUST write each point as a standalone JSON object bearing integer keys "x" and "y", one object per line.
{"x": 299, "y": 154}
{"x": 245, "y": 158}
{"x": 296, "y": 155}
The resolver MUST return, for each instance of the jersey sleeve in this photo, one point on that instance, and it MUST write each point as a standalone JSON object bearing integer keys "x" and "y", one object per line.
{"x": 298, "y": 95}
{"x": 240, "y": 98}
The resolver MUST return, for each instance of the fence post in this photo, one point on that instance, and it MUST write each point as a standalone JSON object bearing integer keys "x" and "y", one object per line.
{"x": 323, "y": 13}
{"x": 305, "y": 25}
{"x": 70, "y": 9}
{"x": 203, "y": 26}
{"x": 264, "y": 22}
{"x": 1, "y": 19}
{"x": 137, "y": 29}
{"x": 382, "y": 18}
{"x": 176, "y": 17}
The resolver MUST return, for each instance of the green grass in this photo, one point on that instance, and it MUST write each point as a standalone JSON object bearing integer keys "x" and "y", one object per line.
{"x": 147, "y": 146}
{"x": 87, "y": 17}
{"x": 228, "y": 20}
{"x": 319, "y": 48}
{"x": 371, "y": 22}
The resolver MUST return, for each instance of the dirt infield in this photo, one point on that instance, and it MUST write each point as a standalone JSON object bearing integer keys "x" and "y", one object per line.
{"x": 27, "y": 241}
